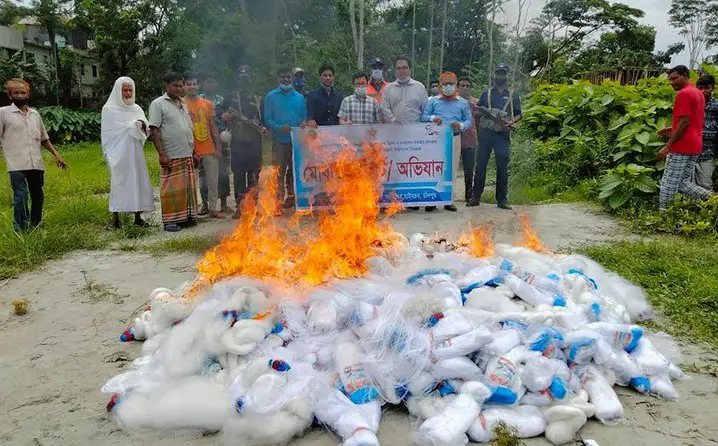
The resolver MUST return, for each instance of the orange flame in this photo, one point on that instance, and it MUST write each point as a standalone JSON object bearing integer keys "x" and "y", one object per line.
{"x": 305, "y": 255}
{"x": 530, "y": 239}
{"x": 479, "y": 240}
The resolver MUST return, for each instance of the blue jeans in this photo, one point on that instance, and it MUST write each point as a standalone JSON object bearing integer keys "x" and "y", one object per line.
{"x": 27, "y": 184}
{"x": 500, "y": 143}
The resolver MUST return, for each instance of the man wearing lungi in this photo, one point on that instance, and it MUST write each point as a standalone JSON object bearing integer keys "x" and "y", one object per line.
{"x": 171, "y": 132}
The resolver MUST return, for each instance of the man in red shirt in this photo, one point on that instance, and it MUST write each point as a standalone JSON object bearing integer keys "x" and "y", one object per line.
{"x": 685, "y": 143}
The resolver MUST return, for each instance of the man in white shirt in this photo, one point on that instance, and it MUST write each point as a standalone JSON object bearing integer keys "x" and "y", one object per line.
{"x": 404, "y": 99}
{"x": 22, "y": 133}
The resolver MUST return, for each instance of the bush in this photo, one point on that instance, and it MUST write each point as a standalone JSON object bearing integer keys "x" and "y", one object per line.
{"x": 684, "y": 217}
{"x": 609, "y": 130}
{"x": 66, "y": 126}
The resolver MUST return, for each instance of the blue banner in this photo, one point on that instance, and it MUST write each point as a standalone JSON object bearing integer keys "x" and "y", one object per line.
{"x": 419, "y": 162}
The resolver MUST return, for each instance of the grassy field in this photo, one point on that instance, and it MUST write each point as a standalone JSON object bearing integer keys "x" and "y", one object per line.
{"x": 75, "y": 211}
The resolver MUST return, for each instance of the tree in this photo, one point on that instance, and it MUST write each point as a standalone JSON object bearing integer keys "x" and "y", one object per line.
{"x": 48, "y": 13}
{"x": 579, "y": 19}
{"x": 443, "y": 38}
{"x": 691, "y": 18}
{"x": 10, "y": 13}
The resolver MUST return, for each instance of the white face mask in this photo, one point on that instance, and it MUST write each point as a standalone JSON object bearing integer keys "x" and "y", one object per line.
{"x": 403, "y": 80}
{"x": 448, "y": 90}
{"x": 360, "y": 91}
{"x": 377, "y": 74}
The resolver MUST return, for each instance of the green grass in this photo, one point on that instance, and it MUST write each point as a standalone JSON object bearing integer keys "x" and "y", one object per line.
{"x": 75, "y": 211}
{"x": 194, "y": 244}
{"x": 679, "y": 274}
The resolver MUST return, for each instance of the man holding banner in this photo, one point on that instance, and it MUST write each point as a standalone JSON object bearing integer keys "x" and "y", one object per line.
{"x": 451, "y": 109}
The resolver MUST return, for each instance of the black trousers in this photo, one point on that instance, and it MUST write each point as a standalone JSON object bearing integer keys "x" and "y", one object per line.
{"x": 246, "y": 165}
{"x": 500, "y": 143}
{"x": 27, "y": 184}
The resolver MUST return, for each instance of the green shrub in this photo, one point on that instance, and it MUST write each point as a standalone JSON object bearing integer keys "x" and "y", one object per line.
{"x": 66, "y": 126}
{"x": 683, "y": 217}
{"x": 605, "y": 132}
{"x": 624, "y": 182}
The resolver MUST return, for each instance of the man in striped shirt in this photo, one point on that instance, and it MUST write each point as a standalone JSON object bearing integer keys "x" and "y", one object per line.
{"x": 360, "y": 108}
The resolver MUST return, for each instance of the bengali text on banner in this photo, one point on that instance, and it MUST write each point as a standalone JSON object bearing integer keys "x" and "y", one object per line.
{"x": 418, "y": 162}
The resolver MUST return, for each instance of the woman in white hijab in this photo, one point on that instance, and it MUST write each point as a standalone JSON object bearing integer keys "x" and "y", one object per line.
{"x": 124, "y": 132}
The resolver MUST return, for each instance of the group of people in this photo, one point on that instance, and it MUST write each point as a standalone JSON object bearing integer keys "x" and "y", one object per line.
{"x": 690, "y": 151}
{"x": 200, "y": 136}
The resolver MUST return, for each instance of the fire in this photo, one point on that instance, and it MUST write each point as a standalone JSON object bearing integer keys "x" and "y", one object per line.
{"x": 530, "y": 239}
{"x": 479, "y": 240}
{"x": 305, "y": 252}
{"x": 336, "y": 245}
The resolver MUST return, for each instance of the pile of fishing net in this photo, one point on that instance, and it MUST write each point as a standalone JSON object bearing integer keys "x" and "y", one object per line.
{"x": 532, "y": 341}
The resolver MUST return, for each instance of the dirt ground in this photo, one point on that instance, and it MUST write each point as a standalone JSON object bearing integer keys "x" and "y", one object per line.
{"x": 54, "y": 360}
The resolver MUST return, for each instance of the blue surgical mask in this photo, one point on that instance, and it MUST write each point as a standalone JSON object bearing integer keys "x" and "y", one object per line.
{"x": 448, "y": 90}
{"x": 360, "y": 91}
{"x": 299, "y": 82}
{"x": 377, "y": 74}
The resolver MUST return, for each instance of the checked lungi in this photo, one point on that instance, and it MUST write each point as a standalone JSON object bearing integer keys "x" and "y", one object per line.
{"x": 678, "y": 178}
{"x": 178, "y": 191}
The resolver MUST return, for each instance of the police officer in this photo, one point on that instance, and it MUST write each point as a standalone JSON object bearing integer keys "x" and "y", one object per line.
{"x": 499, "y": 110}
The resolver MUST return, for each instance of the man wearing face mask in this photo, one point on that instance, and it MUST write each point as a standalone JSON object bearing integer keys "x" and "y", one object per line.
{"x": 434, "y": 89}
{"x": 299, "y": 81}
{"x": 22, "y": 134}
{"x": 404, "y": 99}
{"x": 324, "y": 102}
{"x": 284, "y": 108}
{"x": 359, "y": 108}
{"x": 377, "y": 83}
{"x": 449, "y": 109}
{"x": 502, "y": 109}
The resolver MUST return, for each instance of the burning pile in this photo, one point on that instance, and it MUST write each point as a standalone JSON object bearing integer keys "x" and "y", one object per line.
{"x": 286, "y": 327}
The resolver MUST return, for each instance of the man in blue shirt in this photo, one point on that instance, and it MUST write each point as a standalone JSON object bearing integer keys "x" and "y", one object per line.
{"x": 499, "y": 109}
{"x": 323, "y": 103}
{"x": 453, "y": 110}
{"x": 284, "y": 108}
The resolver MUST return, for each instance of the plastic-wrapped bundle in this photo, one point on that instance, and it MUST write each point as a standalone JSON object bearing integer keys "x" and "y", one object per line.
{"x": 502, "y": 372}
{"x": 504, "y": 341}
{"x": 564, "y": 420}
{"x": 271, "y": 402}
{"x": 323, "y": 310}
{"x": 449, "y": 427}
{"x": 527, "y": 421}
{"x": 357, "y": 425}
{"x": 609, "y": 409}
{"x": 193, "y": 403}
{"x": 541, "y": 264}
{"x": 350, "y": 372}
{"x": 497, "y": 300}
{"x": 464, "y": 344}
{"x": 459, "y": 367}
{"x": 426, "y": 406}
{"x": 550, "y": 284}
{"x": 166, "y": 309}
{"x": 477, "y": 278}
{"x": 621, "y": 336}
{"x": 548, "y": 381}
{"x": 532, "y": 295}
